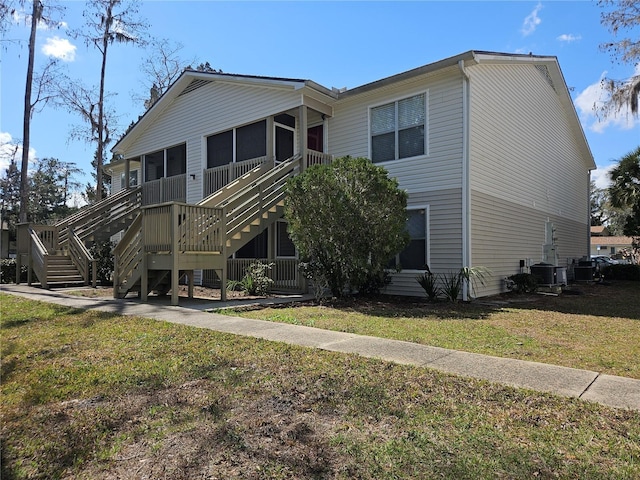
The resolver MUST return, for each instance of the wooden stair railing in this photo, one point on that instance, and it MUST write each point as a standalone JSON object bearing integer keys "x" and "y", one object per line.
{"x": 128, "y": 259}
{"x": 219, "y": 224}
{"x": 38, "y": 258}
{"x": 82, "y": 259}
{"x": 107, "y": 213}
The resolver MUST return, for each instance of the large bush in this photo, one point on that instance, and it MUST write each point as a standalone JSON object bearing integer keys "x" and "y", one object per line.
{"x": 8, "y": 271}
{"x": 622, "y": 272}
{"x": 347, "y": 220}
{"x": 103, "y": 253}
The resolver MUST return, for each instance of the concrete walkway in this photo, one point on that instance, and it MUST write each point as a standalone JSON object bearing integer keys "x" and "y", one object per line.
{"x": 608, "y": 390}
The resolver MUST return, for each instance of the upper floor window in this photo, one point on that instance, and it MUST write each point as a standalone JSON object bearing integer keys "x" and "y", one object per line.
{"x": 238, "y": 144}
{"x": 398, "y": 129}
{"x": 165, "y": 163}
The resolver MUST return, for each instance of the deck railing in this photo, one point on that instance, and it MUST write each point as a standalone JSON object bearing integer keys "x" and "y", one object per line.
{"x": 179, "y": 227}
{"x": 38, "y": 258}
{"x": 169, "y": 189}
{"x": 48, "y": 235}
{"x": 99, "y": 215}
{"x": 318, "y": 158}
{"x": 218, "y": 177}
{"x": 284, "y": 273}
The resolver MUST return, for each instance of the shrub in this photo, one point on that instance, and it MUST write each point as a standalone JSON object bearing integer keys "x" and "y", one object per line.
{"x": 103, "y": 254}
{"x": 8, "y": 271}
{"x": 622, "y": 272}
{"x": 429, "y": 282}
{"x": 347, "y": 220}
{"x": 255, "y": 280}
{"x": 523, "y": 283}
{"x": 452, "y": 286}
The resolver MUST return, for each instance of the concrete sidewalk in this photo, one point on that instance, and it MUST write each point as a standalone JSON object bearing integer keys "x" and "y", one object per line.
{"x": 608, "y": 390}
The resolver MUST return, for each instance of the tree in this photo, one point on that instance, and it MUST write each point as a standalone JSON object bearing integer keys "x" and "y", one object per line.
{"x": 108, "y": 22}
{"x": 625, "y": 193}
{"x": 51, "y": 185}
{"x": 597, "y": 202}
{"x": 10, "y": 188}
{"x": 624, "y": 16}
{"x": 37, "y": 17}
{"x": 51, "y": 182}
{"x": 84, "y": 101}
{"x": 161, "y": 68}
{"x": 347, "y": 220}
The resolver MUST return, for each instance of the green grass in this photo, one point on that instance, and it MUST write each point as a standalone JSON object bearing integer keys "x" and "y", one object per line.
{"x": 96, "y": 395}
{"x": 598, "y": 329}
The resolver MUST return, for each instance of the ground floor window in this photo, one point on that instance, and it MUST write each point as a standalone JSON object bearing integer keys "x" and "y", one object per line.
{"x": 416, "y": 254}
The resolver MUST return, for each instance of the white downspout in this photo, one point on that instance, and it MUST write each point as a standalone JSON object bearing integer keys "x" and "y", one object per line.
{"x": 466, "y": 186}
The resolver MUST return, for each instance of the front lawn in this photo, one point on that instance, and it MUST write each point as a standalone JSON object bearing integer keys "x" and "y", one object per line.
{"x": 95, "y": 395}
{"x": 594, "y": 327}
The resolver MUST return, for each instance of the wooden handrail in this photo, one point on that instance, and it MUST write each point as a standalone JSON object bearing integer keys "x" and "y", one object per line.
{"x": 82, "y": 259}
{"x": 38, "y": 258}
{"x": 128, "y": 255}
{"x": 220, "y": 178}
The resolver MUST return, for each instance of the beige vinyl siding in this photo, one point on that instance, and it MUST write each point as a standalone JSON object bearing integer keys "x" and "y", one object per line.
{"x": 444, "y": 237}
{"x": 434, "y": 179}
{"x": 441, "y": 167}
{"x": 518, "y": 125}
{"x": 504, "y": 233}
{"x": 210, "y": 109}
{"x": 525, "y": 168}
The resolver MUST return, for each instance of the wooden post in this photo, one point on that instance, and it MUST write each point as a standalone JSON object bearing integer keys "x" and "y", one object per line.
{"x": 175, "y": 252}
{"x": 127, "y": 169}
{"x": 302, "y": 135}
{"x": 223, "y": 253}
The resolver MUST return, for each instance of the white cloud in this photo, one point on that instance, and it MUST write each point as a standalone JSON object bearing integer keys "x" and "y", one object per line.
{"x": 569, "y": 37}
{"x": 532, "y": 21}
{"x": 601, "y": 176}
{"x": 591, "y": 99}
{"x": 59, "y": 48}
{"x": 42, "y": 25}
{"x": 9, "y": 148}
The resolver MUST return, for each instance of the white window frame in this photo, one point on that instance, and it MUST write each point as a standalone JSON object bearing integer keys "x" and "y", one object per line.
{"x": 122, "y": 179}
{"x": 396, "y": 101}
{"x": 427, "y": 239}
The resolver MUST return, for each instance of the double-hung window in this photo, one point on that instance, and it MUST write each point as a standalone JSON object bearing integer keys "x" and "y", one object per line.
{"x": 416, "y": 254}
{"x": 398, "y": 129}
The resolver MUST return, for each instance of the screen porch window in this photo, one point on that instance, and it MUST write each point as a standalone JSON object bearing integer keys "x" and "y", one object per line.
{"x": 398, "y": 129}
{"x": 165, "y": 163}
{"x": 284, "y": 246}
{"x": 237, "y": 145}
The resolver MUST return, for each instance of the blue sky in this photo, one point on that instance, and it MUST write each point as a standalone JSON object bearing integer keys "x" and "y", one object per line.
{"x": 337, "y": 44}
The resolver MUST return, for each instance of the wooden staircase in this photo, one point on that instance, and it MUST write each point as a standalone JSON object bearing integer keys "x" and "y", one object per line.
{"x": 169, "y": 240}
{"x": 58, "y": 254}
{"x": 62, "y": 272}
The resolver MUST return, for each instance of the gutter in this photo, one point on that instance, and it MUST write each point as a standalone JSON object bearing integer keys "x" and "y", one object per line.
{"x": 466, "y": 185}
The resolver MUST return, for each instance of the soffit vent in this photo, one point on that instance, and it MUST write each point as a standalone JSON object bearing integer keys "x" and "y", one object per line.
{"x": 544, "y": 71}
{"x": 194, "y": 85}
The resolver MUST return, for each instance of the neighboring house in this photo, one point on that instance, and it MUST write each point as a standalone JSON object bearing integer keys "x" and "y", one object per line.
{"x": 603, "y": 243}
{"x": 487, "y": 145}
